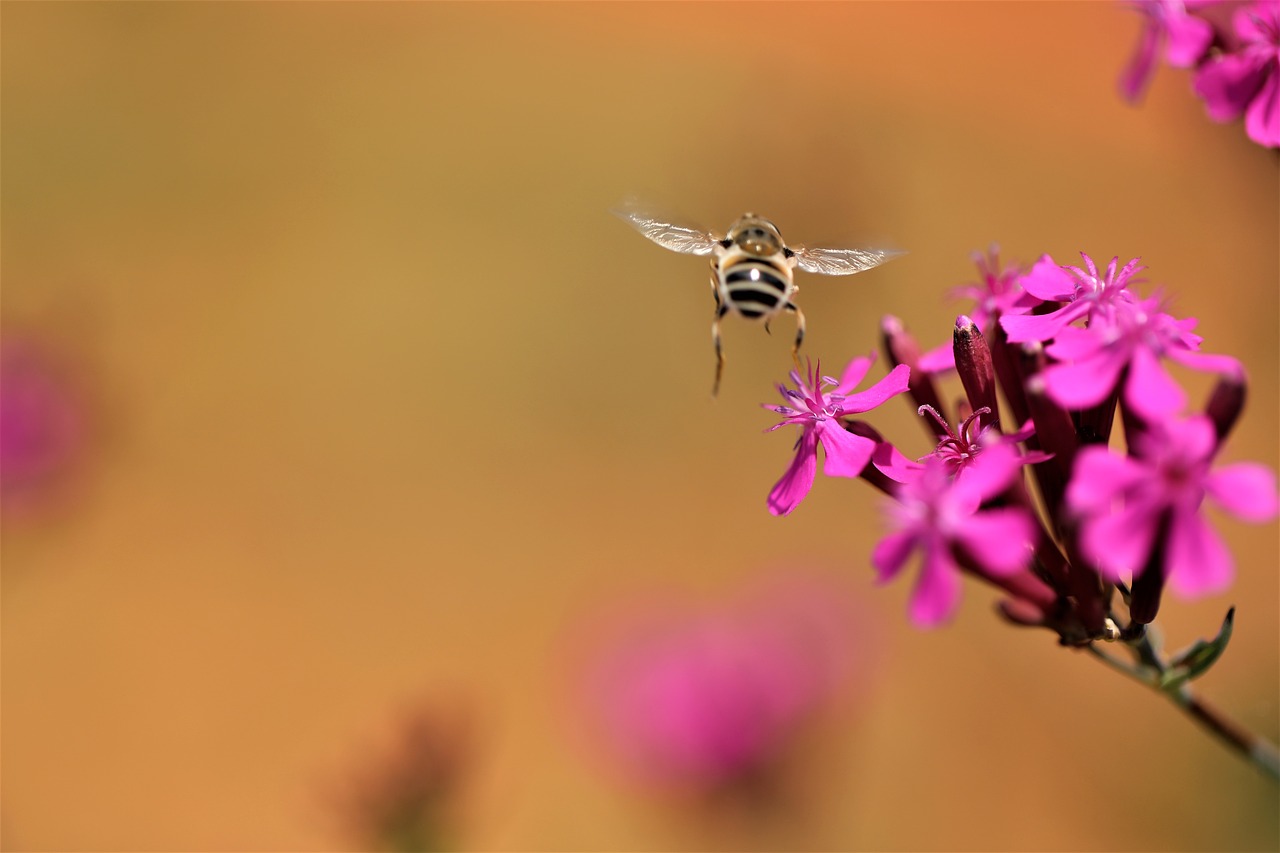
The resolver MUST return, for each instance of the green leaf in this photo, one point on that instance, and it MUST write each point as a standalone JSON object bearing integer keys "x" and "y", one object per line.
{"x": 1195, "y": 661}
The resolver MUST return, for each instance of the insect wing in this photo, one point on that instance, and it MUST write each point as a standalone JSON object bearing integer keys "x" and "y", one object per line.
{"x": 677, "y": 238}
{"x": 841, "y": 261}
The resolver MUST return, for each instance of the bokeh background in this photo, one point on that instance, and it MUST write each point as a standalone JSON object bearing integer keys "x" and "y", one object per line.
{"x": 376, "y": 407}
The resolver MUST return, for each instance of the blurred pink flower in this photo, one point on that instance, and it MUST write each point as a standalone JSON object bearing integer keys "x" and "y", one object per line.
{"x": 709, "y": 699}
{"x": 996, "y": 292}
{"x": 940, "y": 515}
{"x": 1131, "y": 508}
{"x": 1167, "y": 25}
{"x": 41, "y": 423}
{"x": 816, "y": 412}
{"x": 1246, "y": 80}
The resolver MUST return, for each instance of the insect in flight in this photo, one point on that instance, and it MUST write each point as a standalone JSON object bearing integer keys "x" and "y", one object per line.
{"x": 752, "y": 268}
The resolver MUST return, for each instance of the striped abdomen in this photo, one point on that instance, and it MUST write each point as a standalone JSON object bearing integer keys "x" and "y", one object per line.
{"x": 755, "y": 287}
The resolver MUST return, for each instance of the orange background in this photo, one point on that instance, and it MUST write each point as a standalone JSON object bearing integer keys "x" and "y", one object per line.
{"x": 385, "y": 403}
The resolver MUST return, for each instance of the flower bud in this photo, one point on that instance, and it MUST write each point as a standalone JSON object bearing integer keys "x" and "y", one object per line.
{"x": 973, "y": 364}
{"x": 1225, "y": 404}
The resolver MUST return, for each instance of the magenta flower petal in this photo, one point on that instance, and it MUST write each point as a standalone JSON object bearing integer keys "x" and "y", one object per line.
{"x": 798, "y": 479}
{"x": 1193, "y": 439}
{"x": 1120, "y": 543}
{"x": 847, "y": 454}
{"x": 1244, "y": 489}
{"x": 890, "y": 462}
{"x": 1000, "y": 539}
{"x": 1189, "y": 38}
{"x": 1084, "y": 383}
{"x": 1142, "y": 65}
{"x": 939, "y": 359}
{"x": 1099, "y": 475}
{"x": 1023, "y": 328}
{"x": 937, "y": 590}
{"x": 1262, "y": 118}
{"x": 1257, "y": 21}
{"x": 895, "y": 382}
{"x": 891, "y": 553}
{"x": 1150, "y": 390}
{"x": 989, "y": 474}
{"x": 1073, "y": 344}
{"x": 1197, "y": 563}
{"x": 853, "y": 374}
{"x": 1048, "y": 281}
{"x": 1214, "y": 363}
{"x": 1228, "y": 84}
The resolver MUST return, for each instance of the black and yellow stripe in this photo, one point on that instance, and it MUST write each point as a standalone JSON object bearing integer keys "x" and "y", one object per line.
{"x": 755, "y": 287}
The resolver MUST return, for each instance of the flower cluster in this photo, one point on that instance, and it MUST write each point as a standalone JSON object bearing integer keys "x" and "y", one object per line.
{"x": 1069, "y": 346}
{"x": 1234, "y": 49}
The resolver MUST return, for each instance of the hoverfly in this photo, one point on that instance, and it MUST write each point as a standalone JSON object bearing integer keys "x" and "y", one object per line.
{"x": 751, "y": 268}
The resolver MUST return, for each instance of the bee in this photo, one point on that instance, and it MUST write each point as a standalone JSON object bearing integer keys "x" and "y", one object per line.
{"x": 752, "y": 268}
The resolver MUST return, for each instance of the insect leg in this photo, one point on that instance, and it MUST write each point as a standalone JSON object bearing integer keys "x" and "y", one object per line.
{"x": 721, "y": 310}
{"x": 795, "y": 350}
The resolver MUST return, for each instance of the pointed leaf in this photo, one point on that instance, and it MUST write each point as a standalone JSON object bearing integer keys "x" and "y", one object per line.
{"x": 1195, "y": 661}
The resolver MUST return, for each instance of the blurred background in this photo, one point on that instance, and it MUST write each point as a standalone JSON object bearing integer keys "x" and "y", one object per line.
{"x": 365, "y": 419}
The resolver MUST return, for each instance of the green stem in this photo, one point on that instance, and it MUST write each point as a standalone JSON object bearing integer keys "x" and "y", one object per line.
{"x": 1120, "y": 666}
{"x": 1147, "y": 669}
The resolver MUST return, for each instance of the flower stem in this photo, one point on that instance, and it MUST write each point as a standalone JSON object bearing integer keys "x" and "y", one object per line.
{"x": 1256, "y": 749}
{"x": 1147, "y": 668}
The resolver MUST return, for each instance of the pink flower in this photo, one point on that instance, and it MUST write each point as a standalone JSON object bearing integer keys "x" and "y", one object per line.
{"x": 41, "y": 424}
{"x": 1148, "y": 504}
{"x": 942, "y": 517}
{"x": 1091, "y": 360}
{"x": 1247, "y": 79}
{"x": 702, "y": 700}
{"x": 1088, "y": 295}
{"x": 816, "y": 411}
{"x": 1185, "y": 39}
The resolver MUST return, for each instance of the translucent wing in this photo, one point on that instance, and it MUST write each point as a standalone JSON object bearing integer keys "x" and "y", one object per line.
{"x": 677, "y": 238}
{"x": 841, "y": 261}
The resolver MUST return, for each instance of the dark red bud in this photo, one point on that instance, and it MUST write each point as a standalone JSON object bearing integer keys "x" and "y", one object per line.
{"x": 1225, "y": 404}
{"x": 973, "y": 363}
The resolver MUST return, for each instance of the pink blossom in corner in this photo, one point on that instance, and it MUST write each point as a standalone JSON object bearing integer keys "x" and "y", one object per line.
{"x": 1167, "y": 25}
{"x": 937, "y": 515}
{"x": 1091, "y": 360}
{"x": 816, "y": 408}
{"x": 1087, "y": 293}
{"x": 1246, "y": 80}
{"x": 1124, "y": 503}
